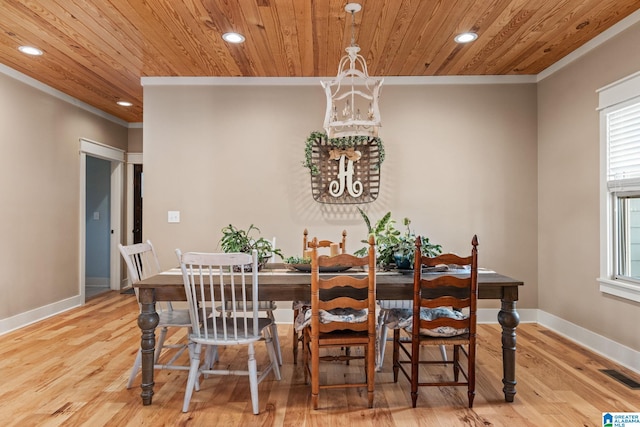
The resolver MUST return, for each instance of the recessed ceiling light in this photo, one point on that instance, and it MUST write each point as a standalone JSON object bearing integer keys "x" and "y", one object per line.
{"x": 233, "y": 37}
{"x": 124, "y": 103}
{"x": 30, "y": 50}
{"x": 465, "y": 37}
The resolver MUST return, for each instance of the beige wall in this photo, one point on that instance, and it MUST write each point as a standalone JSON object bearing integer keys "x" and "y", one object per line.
{"x": 40, "y": 179}
{"x": 134, "y": 144}
{"x": 460, "y": 160}
{"x": 568, "y": 165}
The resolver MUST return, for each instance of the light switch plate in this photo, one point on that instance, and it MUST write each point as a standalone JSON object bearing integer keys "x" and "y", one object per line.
{"x": 173, "y": 216}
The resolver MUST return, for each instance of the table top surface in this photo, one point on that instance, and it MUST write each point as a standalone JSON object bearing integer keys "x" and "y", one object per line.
{"x": 276, "y": 274}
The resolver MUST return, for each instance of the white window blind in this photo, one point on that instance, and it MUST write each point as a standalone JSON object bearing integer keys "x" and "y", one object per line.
{"x": 623, "y": 137}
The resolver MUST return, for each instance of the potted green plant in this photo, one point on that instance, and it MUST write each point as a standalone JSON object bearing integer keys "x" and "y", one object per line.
{"x": 393, "y": 247}
{"x": 238, "y": 240}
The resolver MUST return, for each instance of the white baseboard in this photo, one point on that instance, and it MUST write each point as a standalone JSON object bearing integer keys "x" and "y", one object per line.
{"x": 97, "y": 282}
{"x": 28, "y": 317}
{"x": 599, "y": 344}
{"x": 604, "y": 346}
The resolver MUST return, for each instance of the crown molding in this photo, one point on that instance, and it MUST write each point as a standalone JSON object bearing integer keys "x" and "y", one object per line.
{"x": 315, "y": 81}
{"x": 30, "y": 81}
{"x": 606, "y": 35}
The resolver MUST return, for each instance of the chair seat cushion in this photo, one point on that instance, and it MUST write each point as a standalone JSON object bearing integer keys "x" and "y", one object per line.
{"x": 347, "y": 315}
{"x": 396, "y": 318}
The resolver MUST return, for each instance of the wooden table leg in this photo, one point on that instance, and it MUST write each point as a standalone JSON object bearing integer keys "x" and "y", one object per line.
{"x": 509, "y": 319}
{"x": 147, "y": 321}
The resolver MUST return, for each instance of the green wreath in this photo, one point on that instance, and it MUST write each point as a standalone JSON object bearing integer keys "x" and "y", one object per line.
{"x": 341, "y": 143}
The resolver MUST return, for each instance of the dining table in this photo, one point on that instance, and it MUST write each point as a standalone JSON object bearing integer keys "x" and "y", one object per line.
{"x": 279, "y": 283}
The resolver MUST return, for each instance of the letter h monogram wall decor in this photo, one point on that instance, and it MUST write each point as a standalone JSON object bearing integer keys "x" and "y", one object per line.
{"x": 344, "y": 170}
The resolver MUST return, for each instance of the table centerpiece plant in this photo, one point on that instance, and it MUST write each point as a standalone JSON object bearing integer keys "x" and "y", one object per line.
{"x": 394, "y": 247}
{"x": 297, "y": 260}
{"x": 238, "y": 240}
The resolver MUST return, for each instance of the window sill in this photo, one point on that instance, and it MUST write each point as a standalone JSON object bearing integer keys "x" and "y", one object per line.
{"x": 619, "y": 288}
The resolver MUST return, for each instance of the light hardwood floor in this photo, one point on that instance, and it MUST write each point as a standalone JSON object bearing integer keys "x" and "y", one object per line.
{"x": 72, "y": 369}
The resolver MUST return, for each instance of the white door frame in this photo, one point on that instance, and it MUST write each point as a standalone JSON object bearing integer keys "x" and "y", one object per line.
{"x": 116, "y": 157}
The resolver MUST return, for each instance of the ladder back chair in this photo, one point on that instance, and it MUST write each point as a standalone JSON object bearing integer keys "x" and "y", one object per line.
{"x": 444, "y": 313}
{"x": 342, "y": 244}
{"x": 342, "y": 315}
{"x": 142, "y": 262}
{"x": 222, "y": 280}
{"x": 297, "y": 305}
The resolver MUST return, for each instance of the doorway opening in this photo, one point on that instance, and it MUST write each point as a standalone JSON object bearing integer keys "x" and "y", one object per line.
{"x": 97, "y": 226}
{"x": 99, "y": 256}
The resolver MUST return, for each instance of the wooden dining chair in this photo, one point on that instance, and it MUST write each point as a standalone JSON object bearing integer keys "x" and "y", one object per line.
{"x": 339, "y": 320}
{"x": 444, "y": 313}
{"x": 297, "y": 305}
{"x": 342, "y": 244}
{"x": 142, "y": 262}
{"x": 222, "y": 280}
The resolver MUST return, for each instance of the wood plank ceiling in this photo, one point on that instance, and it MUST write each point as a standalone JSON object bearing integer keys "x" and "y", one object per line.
{"x": 97, "y": 50}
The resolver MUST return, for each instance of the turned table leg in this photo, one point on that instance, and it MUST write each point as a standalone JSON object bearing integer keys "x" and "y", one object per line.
{"x": 509, "y": 319}
{"x": 147, "y": 321}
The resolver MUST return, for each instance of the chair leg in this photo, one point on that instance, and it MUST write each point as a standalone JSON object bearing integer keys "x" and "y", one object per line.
{"x": 135, "y": 369}
{"x": 415, "y": 365}
{"x": 210, "y": 356}
{"x": 273, "y": 357}
{"x": 396, "y": 354}
{"x": 193, "y": 374}
{"x": 192, "y": 347}
{"x": 381, "y": 344}
{"x": 443, "y": 352}
{"x": 160, "y": 344}
{"x": 456, "y": 361}
{"x": 370, "y": 359}
{"x": 315, "y": 380}
{"x": 296, "y": 337}
{"x": 253, "y": 379}
{"x": 471, "y": 374}
{"x": 305, "y": 355}
{"x": 274, "y": 336}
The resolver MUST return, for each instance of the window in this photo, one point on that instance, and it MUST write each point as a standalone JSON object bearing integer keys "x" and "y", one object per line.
{"x": 620, "y": 189}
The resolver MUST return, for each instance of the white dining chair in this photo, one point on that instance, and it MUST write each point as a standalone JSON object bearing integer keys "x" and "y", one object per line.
{"x": 142, "y": 262}
{"x": 221, "y": 280}
{"x": 269, "y": 308}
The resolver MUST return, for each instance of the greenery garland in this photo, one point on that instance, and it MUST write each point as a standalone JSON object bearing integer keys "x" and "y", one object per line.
{"x": 341, "y": 143}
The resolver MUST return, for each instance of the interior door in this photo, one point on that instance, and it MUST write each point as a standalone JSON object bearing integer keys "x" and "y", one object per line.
{"x": 137, "y": 203}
